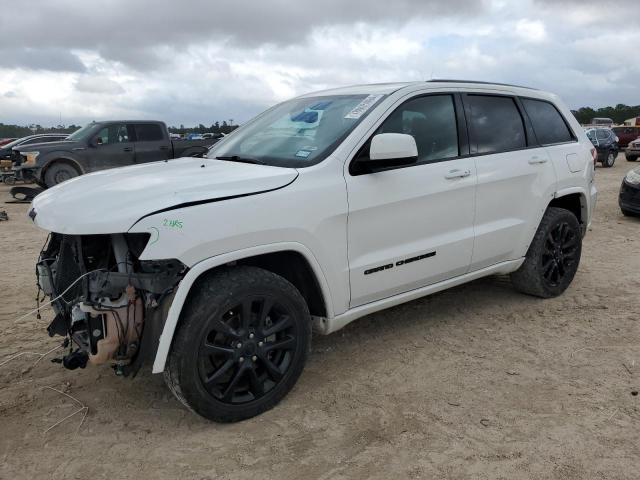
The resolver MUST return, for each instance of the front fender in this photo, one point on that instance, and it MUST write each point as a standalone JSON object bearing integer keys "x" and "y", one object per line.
{"x": 164, "y": 343}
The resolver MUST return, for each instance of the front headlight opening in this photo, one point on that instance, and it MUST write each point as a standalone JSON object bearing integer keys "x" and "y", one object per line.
{"x": 30, "y": 157}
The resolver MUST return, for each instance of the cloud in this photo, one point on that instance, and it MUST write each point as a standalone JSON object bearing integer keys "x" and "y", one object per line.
{"x": 531, "y": 30}
{"x": 98, "y": 84}
{"x": 231, "y": 59}
{"x": 41, "y": 58}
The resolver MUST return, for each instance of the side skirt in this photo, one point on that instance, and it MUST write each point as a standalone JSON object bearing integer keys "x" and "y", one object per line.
{"x": 326, "y": 326}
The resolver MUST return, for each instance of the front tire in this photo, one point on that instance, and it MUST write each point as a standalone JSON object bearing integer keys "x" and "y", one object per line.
{"x": 59, "y": 172}
{"x": 244, "y": 338}
{"x": 553, "y": 256}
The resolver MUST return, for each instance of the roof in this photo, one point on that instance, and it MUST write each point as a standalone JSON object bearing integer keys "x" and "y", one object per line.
{"x": 388, "y": 88}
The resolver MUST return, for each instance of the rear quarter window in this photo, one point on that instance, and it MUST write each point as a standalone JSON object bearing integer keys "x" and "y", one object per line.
{"x": 548, "y": 123}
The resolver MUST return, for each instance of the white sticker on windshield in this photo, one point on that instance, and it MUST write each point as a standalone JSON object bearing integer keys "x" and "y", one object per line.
{"x": 363, "y": 106}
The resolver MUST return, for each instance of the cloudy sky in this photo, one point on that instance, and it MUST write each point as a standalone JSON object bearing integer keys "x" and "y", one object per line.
{"x": 195, "y": 62}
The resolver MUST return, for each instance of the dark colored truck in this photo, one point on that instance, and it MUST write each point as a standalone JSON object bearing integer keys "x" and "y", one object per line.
{"x": 102, "y": 145}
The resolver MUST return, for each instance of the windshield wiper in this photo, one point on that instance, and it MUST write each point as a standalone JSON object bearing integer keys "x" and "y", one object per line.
{"x": 238, "y": 158}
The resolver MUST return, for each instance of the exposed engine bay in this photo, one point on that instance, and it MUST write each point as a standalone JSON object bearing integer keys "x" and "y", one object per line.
{"x": 108, "y": 303}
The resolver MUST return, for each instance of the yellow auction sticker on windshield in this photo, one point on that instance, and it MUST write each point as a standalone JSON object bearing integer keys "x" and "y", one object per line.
{"x": 363, "y": 106}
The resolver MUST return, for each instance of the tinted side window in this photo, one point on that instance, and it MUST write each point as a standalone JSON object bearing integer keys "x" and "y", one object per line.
{"x": 602, "y": 134}
{"x": 431, "y": 121}
{"x": 114, "y": 133}
{"x": 148, "y": 132}
{"x": 495, "y": 123}
{"x": 31, "y": 141}
{"x": 547, "y": 122}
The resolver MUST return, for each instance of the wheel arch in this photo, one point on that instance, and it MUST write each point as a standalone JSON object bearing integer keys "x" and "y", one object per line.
{"x": 574, "y": 200}
{"x": 284, "y": 259}
{"x": 60, "y": 159}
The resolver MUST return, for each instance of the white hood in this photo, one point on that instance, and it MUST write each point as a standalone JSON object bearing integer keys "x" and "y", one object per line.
{"x": 112, "y": 201}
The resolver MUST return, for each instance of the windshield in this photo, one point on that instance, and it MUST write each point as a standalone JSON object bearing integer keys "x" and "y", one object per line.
{"x": 82, "y": 133}
{"x": 297, "y": 133}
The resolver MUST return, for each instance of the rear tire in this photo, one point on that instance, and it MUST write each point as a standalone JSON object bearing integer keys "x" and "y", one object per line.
{"x": 631, "y": 159}
{"x": 242, "y": 344}
{"x": 553, "y": 256}
{"x": 610, "y": 159}
{"x": 59, "y": 172}
{"x": 628, "y": 213}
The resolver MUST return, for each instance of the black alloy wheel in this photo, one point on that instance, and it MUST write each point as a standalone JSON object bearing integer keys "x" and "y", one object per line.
{"x": 553, "y": 256}
{"x": 247, "y": 350}
{"x": 560, "y": 253}
{"x": 242, "y": 343}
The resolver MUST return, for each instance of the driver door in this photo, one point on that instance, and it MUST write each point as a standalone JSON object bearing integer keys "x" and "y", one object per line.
{"x": 412, "y": 226}
{"x": 114, "y": 147}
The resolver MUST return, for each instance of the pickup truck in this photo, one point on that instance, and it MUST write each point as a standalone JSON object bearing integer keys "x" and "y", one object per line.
{"x": 99, "y": 146}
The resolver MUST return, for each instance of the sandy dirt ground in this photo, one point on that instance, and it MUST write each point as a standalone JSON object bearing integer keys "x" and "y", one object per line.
{"x": 476, "y": 382}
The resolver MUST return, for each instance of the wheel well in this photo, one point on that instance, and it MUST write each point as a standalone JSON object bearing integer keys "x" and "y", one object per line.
{"x": 574, "y": 202}
{"x": 296, "y": 269}
{"x": 293, "y": 267}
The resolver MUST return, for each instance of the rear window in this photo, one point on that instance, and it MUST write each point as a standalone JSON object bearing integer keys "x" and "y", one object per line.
{"x": 148, "y": 132}
{"x": 496, "y": 124}
{"x": 547, "y": 122}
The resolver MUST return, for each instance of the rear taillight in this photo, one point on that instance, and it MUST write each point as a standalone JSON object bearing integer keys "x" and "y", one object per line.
{"x": 594, "y": 155}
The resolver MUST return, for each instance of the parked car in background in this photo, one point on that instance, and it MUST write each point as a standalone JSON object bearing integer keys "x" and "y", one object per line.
{"x": 626, "y": 134}
{"x": 606, "y": 143}
{"x": 602, "y": 122}
{"x": 4, "y": 141}
{"x": 629, "y": 198}
{"x": 6, "y": 151}
{"x": 217, "y": 136}
{"x": 325, "y": 208}
{"x": 632, "y": 152}
{"x": 102, "y": 145}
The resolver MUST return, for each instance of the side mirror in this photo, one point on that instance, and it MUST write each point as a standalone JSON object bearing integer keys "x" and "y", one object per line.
{"x": 393, "y": 148}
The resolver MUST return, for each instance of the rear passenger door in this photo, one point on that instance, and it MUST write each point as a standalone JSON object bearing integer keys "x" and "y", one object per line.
{"x": 515, "y": 178}
{"x": 151, "y": 144}
{"x": 553, "y": 132}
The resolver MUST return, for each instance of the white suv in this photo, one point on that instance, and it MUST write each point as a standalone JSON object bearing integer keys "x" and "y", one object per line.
{"x": 321, "y": 210}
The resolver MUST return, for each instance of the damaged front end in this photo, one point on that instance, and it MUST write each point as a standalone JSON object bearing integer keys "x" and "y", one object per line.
{"x": 111, "y": 305}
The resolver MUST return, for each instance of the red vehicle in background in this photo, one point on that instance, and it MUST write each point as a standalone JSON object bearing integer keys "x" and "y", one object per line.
{"x": 626, "y": 134}
{"x": 4, "y": 141}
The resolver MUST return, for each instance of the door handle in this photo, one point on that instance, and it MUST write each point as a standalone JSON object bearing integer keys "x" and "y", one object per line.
{"x": 535, "y": 160}
{"x": 457, "y": 174}
{"x": 127, "y": 149}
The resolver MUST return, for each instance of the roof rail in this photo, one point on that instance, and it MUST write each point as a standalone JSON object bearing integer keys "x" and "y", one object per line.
{"x": 448, "y": 80}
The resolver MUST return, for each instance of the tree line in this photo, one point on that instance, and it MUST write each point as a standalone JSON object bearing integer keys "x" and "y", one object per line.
{"x": 17, "y": 131}
{"x": 618, "y": 114}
